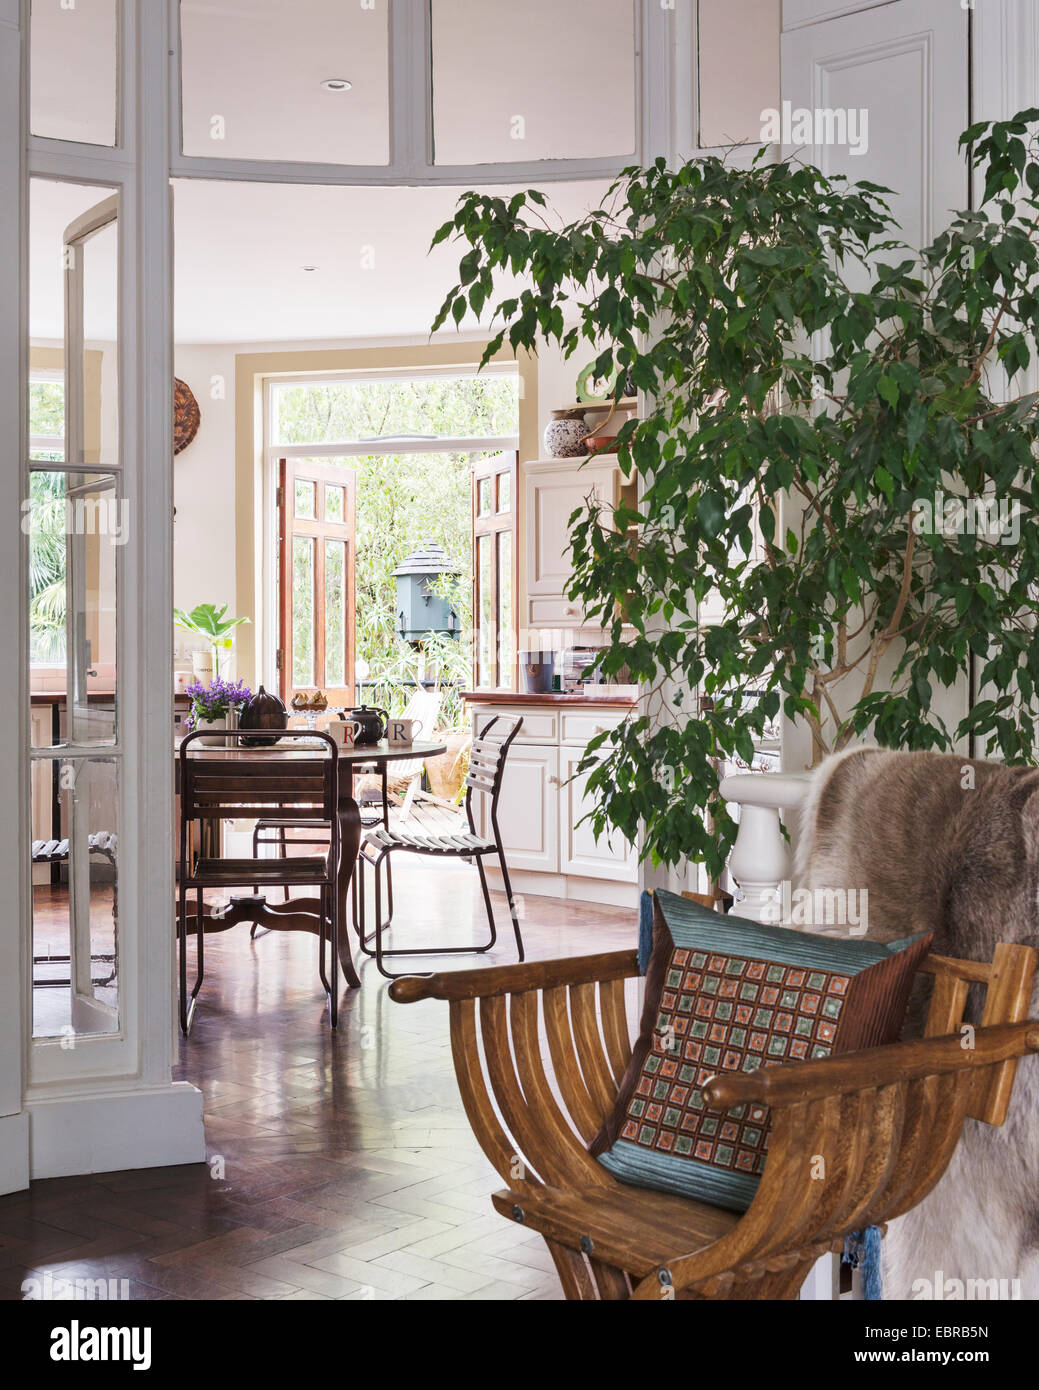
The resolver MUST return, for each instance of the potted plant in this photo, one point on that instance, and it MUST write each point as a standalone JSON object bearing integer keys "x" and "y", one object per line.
{"x": 210, "y": 623}
{"x": 834, "y": 452}
{"x": 212, "y": 704}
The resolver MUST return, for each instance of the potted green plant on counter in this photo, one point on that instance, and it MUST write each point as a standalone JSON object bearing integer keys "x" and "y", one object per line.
{"x": 215, "y": 628}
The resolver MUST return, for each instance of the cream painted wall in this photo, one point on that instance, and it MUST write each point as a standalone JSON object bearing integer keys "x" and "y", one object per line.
{"x": 204, "y": 485}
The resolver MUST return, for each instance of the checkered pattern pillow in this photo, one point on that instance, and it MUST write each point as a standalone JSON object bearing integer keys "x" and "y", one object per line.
{"x": 726, "y": 994}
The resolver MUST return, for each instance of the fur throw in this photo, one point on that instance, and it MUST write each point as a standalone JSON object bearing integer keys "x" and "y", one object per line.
{"x": 947, "y": 845}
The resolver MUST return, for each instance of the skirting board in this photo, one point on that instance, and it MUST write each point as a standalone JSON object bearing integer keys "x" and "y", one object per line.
{"x": 570, "y": 886}
{"x": 111, "y": 1131}
{"x": 14, "y": 1152}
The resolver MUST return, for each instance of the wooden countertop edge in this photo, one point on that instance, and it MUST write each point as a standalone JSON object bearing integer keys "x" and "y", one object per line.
{"x": 512, "y": 697}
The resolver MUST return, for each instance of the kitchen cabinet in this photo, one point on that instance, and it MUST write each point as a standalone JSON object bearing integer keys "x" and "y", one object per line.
{"x": 554, "y": 490}
{"x": 528, "y": 809}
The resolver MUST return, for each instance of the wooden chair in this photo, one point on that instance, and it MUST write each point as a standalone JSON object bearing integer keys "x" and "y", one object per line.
{"x": 486, "y": 770}
{"x": 215, "y": 785}
{"x": 885, "y": 1121}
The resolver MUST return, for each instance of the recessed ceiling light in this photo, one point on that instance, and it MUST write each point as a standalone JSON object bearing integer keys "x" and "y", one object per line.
{"x": 308, "y": 267}
{"x": 336, "y": 84}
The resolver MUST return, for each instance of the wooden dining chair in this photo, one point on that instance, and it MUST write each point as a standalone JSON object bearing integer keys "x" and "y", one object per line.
{"x": 486, "y": 770}
{"x": 218, "y": 783}
{"x": 856, "y": 1140}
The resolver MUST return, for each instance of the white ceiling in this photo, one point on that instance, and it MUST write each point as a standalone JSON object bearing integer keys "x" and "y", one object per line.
{"x": 240, "y": 249}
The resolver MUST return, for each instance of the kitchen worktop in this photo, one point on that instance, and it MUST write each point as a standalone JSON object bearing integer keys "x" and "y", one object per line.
{"x": 514, "y": 697}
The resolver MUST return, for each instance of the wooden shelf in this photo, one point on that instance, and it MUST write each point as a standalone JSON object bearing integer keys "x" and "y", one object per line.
{"x": 627, "y": 403}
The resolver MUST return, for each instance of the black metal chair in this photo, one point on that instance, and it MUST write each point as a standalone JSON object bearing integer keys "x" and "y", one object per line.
{"x": 486, "y": 769}
{"x": 215, "y": 785}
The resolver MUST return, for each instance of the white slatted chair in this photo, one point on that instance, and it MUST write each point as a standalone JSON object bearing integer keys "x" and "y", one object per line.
{"x": 486, "y": 770}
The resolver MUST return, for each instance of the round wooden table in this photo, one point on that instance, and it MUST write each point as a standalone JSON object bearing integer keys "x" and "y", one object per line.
{"x": 303, "y": 914}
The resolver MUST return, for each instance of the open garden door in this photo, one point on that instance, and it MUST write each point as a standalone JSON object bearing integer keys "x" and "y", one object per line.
{"x": 494, "y": 572}
{"x": 316, "y": 543}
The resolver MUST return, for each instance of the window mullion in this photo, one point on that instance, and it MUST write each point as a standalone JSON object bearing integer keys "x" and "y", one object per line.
{"x": 411, "y": 121}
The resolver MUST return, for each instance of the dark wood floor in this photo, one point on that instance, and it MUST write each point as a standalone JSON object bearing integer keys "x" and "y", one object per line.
{"x": 339, "y": 1167}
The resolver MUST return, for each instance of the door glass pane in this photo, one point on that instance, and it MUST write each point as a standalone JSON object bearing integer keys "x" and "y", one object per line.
{"x": 304, "y": 507}
{"x": 77, "y": 524}
{"x": 485, "y": 507}
{"x": 548, "y": 81}
{"x": 73, "y": 57}
{"x": 75, "y": 894}
{"x": 302, "y": 611}
{"x": 97, "y": 281}
{"x": 73, "y": 298}
{"x": 334, "y": 503}
{"x": 295, "y": 80}
{"x": 506, "y": 611}
{"x": 335, "y": 613}
{"x": 504, "y": 492}
{"x": 485, "y": 609}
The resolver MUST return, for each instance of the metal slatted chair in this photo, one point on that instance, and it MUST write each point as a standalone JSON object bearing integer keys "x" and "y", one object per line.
{"x": 216, "y": 786}
{"x": 486, "y": 770}
{"x": 102, "y": 842}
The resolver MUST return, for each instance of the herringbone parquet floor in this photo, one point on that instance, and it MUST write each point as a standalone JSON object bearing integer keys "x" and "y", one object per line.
{"x": 339, "y": 1167}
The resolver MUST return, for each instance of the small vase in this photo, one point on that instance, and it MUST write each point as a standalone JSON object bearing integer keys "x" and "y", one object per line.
{"x": 564, "y": 439}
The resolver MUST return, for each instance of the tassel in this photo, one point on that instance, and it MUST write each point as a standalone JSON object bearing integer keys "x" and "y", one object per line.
{"x": 645, "y": 931}
{"x": 872, "y": 1276}
{"x": 862, "y": 1248}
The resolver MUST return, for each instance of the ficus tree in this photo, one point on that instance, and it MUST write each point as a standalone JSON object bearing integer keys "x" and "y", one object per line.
{"x": 837, "y": 502}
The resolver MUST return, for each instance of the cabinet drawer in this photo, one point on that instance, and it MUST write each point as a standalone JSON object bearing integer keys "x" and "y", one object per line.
{"x": 539, "y": 725}
{"x": 579, "y": 728}
{"x": 554, "y": 610}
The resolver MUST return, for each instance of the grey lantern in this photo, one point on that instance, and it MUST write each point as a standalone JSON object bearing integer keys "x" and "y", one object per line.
{"x": 420, "y": 611}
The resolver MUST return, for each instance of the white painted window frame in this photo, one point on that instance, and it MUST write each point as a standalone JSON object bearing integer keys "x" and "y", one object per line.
{"x": 411, "y": 119}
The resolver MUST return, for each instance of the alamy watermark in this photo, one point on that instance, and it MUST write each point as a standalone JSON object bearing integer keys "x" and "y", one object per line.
{"x": 819, "y": 125}
{"x": 994, "y": 519}
{"x": 942, "y": 1289}
{"x": 88, "y": 516}
{"x": 819, "y": 907}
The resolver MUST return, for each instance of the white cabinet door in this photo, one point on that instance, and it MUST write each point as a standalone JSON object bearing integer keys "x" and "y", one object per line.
{"x": 904, "y": 67}
{"x": 553, "y": 493}
{"x": 614, "y": 857}
{"x": 528, "y": 809}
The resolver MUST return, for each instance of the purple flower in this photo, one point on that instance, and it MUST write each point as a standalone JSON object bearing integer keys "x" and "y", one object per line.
{"x": 214, "y": 701}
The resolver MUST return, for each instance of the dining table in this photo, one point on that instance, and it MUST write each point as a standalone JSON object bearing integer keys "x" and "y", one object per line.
{"x": 303, "y": 914}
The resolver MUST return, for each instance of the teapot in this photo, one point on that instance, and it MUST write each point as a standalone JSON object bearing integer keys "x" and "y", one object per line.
{"x": 372, "y": 724}
{"x": 263, "y": 711}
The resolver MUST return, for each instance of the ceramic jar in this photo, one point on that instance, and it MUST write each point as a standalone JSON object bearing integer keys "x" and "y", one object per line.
{"x": 564, "y": 439}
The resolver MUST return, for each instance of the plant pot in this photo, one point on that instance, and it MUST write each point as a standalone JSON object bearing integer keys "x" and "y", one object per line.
{"x": 446, "y": 772}
{"x": 203, "y": 724}
{"x": 203, "y": 665}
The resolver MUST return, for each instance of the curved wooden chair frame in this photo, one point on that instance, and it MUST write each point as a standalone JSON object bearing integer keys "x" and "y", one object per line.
{"x": 856, "y": 1140}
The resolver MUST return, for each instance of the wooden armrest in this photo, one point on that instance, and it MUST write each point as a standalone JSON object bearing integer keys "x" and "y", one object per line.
{"x": 515, "y": 979}
{"x": 873, "y": 1066}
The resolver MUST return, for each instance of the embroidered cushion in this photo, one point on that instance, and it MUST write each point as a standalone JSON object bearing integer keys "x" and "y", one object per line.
{"x": 727, "y": 994}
